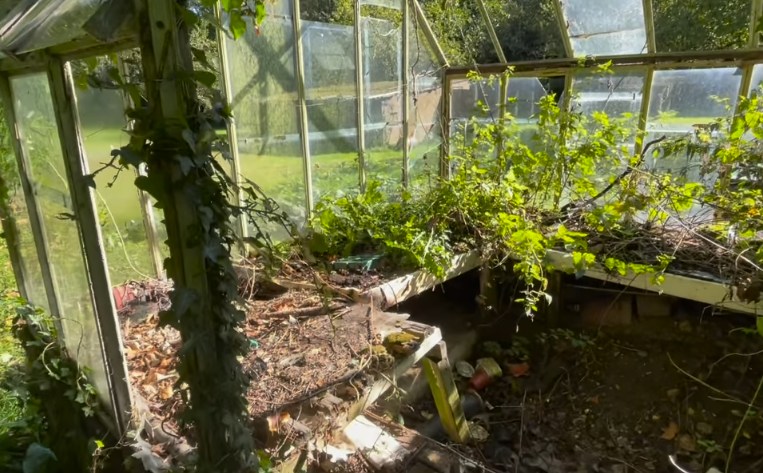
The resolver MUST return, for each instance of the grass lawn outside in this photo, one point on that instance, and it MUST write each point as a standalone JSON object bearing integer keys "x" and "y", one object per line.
{"x": 10, "y": 350}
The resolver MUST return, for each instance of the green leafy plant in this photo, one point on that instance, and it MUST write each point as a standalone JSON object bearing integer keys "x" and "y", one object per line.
{"x": 574, "y": 185}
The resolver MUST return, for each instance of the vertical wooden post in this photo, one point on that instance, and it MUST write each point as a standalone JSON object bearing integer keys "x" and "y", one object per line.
{"x": 651, "y": 45}
{"x": 206, "y": 317}
{"x": 562, "y": 22}
{"x": 243, "y": 227}
{"x": 110, "y": 335}
{"x": 360, "y": 94}
{"x": 406, "y": 92}
{"x": 445, "y": 126}
{"x": 643, "y": 115}
{"x": 33, "y": 208}
{"x": 304, "y": 125}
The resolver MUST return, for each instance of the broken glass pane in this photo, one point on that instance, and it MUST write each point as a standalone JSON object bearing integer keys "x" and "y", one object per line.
{"x": 603, "y": 27}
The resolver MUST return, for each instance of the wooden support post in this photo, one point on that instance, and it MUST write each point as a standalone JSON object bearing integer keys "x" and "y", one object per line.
{"x": 488, "y": 23}
{"x": 440, "y": 378}
{"x": 206, "y": 316}
{"x": 554, "y": 289}
{"x": 445, "y": 127}
{"x": 563, "y": 30}
{"x": 488, "y": 292}
{"x": 304, "y": 126}
{"x": 112, "y": 350}
{"x": 33, "y": 208}
{"x": 360, "y": 95}
{"x": 643, "y": 115}
{"x": 235, "y": 164}
{"x": 651, "y": 45}
{"x": 407, "y": 80}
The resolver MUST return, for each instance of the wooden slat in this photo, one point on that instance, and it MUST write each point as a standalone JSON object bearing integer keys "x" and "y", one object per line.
{"x": 708, "y": 292}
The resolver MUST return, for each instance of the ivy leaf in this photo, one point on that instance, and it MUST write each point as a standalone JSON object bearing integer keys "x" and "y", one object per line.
{"x": 127, "y": 157}
{"x": 183, "y": 299}
{"x": 185, "y": 164}
{"x": 188, "y": 16}
{"x": 188, "y": 137}
{"x": 152, "y": 185}
{"x": 201, "y": 56}
{"x": 260, "y": 12}
{"x": 37, "y": 458}
{"x": 237, "y": 24}
{"x": 205, "y": 78}
{"x": 229, "y": 5}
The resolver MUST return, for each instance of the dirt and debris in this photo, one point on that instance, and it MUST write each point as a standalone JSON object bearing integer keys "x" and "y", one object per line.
{"x": 622, "y": 399}
{"x": 313, "y": 350}
{"x": 694, "y": 250}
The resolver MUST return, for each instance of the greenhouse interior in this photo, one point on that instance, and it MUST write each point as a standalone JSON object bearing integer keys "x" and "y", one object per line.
{"x": 382, "y": 235}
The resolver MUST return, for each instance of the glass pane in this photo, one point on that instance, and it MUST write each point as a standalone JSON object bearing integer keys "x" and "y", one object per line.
{"x": 331, "y": 95}
{"x": 30, "y": 264}
{"x": 617, "y": 95}
{"x": 683, "y": 101}
{"x": 264, "y": 98}
{"x": 523, "y": 97}
{"x": 472, "y": 101}
{"x": 48, "y": 23}
{"x": 697, "y": 25}
{"x": 757, "y": 78}
{"x": 40, "y": 142}
{"x": 102, "y": 121}
{"x": 603, "y": 27}
{"x": 382, "y": 42}
{"x": 425, "y": 124}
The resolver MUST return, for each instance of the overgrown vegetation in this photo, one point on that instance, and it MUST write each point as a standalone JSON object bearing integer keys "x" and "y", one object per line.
{"x": 575, "y": 181}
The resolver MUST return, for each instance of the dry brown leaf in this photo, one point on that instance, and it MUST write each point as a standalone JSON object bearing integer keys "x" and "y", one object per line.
{"x": 670, "y": 432}
{"x": 165, "y": 392}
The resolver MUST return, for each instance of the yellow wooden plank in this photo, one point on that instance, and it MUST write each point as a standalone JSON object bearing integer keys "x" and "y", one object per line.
{"x": 448, "y": 402}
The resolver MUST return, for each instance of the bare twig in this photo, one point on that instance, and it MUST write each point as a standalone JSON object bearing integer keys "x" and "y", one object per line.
{"x": 741, "y": 424}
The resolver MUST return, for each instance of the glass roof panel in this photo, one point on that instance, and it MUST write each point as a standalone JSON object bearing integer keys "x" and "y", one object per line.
{"x": 44, "y": 23}
{"x": 603, "y": 27}
{"x": 697, "y": 25}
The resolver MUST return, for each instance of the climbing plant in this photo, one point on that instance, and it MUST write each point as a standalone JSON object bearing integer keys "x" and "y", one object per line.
{"x": 172, "y": 135}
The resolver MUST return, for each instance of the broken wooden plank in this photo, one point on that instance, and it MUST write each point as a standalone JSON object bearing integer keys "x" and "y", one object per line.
{"x": 403, "y": 288}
